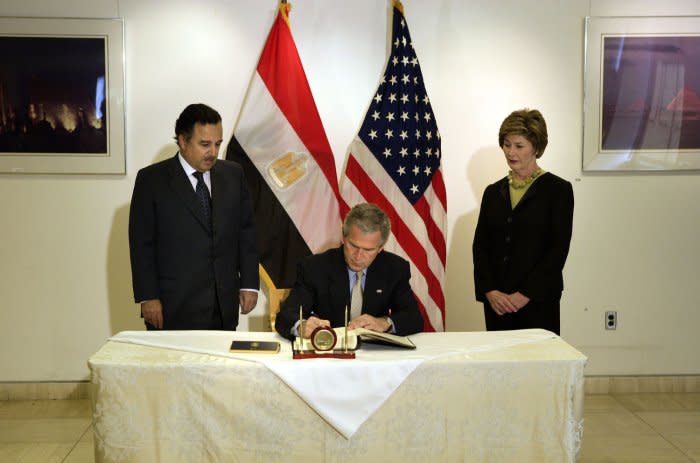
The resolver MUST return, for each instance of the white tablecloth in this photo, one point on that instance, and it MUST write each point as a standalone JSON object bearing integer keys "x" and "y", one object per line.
{"x": 181, "y": 396}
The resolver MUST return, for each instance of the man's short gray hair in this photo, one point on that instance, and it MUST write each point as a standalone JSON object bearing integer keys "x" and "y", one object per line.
{"x": 368, "y": 218}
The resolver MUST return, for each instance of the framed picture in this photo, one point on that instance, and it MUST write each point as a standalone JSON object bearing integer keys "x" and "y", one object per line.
{"x": 641, "y": 94}
{"x": 62, "y": 96}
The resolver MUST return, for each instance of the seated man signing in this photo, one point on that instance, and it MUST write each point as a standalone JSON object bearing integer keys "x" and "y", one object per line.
{"x": 326, "y": 283}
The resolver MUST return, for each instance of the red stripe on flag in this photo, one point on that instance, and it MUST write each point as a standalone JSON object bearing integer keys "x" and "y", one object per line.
{"x": 400, "y": 229}
{"x": 439, "y": 188}
{"x": 344, "y": 208}
{"x": 434, "y": 231}
{"x": 282, "y": 72}
{"x": 427, "y": 327}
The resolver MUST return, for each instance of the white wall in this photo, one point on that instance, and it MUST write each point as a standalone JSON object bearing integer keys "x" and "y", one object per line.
{"x": 66, "y": 283}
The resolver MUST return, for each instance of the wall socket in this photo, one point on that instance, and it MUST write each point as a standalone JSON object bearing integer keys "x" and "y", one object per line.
{"x": 611, "y": 320}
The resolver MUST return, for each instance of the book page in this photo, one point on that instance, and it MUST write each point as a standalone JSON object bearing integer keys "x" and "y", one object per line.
{"x": 364, "y": 335}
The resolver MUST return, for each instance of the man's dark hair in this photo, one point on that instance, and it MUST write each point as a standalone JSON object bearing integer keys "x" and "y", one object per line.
{"x": 196, "y": 113}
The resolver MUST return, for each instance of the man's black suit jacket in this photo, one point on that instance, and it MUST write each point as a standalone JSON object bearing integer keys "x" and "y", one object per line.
{"x": 524, "y": 249}
{"x": 177, "y": 257}
{"x": 322, "y": 288}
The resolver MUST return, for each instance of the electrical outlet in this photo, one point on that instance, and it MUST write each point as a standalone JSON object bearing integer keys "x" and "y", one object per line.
{"x": 611, "y": 320}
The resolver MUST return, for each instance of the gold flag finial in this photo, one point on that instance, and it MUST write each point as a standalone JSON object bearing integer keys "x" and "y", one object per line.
{"x": 398, "y": 5}
{"x": 285, "y": 8}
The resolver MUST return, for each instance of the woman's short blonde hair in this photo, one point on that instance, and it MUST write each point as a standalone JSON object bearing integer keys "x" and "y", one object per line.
{"x": 528, "y": 123}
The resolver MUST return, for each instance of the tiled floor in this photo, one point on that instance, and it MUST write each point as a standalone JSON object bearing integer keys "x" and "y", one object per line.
{"x": 629, "y": 428}
{"x": 54, "y": 431}
{"x": 641, "y": 428}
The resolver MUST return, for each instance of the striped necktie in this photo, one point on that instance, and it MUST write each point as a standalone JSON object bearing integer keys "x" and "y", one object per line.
{"x": 356, "y": 297}
{"x": 203, "y": 195}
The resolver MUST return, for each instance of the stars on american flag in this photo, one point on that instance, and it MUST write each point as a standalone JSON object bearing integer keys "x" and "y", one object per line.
{"x": 401, "y": 121}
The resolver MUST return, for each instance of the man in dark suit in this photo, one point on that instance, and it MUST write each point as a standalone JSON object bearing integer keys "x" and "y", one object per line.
{"x": 326, "y": 283}
{"x": 194, "y": 258}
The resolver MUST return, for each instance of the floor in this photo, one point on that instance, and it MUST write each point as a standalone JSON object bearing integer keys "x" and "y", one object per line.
{"x": 54, "y": 431}
{"x": 629, "y": 428}
{"x": 641, "y": 428}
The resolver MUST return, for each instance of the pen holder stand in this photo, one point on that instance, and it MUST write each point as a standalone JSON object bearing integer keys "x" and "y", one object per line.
{"x": 321, "y": 344}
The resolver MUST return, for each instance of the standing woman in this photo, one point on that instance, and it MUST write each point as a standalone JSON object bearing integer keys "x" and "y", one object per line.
{"x": 523, "y": 234}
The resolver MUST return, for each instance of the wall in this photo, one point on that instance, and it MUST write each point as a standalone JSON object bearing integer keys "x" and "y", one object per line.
{"x": 66, "y": 283}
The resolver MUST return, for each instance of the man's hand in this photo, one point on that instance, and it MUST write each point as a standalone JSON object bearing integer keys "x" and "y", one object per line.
{"x": 311, "y": 324}
{"x": 152, "y": 311}
{"x": 369, "y": 322}
{"x": 247, "y": 299}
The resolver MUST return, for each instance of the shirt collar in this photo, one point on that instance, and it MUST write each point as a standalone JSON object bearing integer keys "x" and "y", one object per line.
{"x": 189, "y": 170}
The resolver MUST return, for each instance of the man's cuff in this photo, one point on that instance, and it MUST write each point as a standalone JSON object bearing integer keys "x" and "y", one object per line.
{"x": 295, "y": 328}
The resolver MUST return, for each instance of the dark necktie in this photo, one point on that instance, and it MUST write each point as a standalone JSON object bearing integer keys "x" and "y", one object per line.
{"x": 203, "y": 195}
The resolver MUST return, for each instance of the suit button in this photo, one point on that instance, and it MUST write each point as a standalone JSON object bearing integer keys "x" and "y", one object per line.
{"x": 505, "y": 259}
{"x": 509, "y": 219}
{"x": 507, "y": 239}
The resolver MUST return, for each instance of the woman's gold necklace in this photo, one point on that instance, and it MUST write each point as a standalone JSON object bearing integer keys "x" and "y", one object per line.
{"x": 519, "y": 184}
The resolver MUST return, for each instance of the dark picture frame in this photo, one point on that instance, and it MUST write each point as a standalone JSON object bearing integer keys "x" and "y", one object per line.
{"x": 62, "y": 96}
{"x": 641, "y": 94}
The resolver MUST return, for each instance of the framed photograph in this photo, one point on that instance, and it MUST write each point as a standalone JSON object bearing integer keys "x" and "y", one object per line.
{"x": 641, "y": 94}
{"x": 62, "y": 96}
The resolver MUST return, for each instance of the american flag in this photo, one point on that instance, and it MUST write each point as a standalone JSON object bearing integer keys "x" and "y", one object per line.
{"x": 394, "y": 162}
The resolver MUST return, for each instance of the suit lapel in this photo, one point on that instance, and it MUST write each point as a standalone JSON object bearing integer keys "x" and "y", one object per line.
{"x": 532, "y": 191}
{"x": 504, "y": 190}
{"x": 183, "y": 188}
{"x": 374, "y": 284}
{"x": 340, "y": 284}
{"x": 218, "y": 192}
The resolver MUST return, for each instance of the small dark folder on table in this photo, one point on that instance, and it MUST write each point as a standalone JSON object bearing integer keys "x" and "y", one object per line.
{"x": 255, "y": 347}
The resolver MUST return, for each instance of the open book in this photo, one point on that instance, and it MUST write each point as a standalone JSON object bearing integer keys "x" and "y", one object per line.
{"x": 376, "y": 337}
{"x": 359, "y": 335}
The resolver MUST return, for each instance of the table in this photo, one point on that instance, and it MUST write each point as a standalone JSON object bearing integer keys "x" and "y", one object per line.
{"x": 474, "y": 397}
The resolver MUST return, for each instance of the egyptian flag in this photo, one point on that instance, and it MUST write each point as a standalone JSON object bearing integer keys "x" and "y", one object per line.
{"x": 281, "y": 144}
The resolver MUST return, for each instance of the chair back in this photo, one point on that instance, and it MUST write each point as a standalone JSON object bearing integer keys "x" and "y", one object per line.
{"x": 275, "y": 296}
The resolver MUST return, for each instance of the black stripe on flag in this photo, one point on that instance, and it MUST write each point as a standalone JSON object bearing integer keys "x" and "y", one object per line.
{"x": 280, "y": 244}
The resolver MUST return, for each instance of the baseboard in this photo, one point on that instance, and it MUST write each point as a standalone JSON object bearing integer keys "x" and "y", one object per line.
{"x": 641, "y": 384}
{"x": 44, "y": 390}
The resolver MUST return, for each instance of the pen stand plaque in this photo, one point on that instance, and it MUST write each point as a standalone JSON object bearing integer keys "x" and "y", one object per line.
{"x": 323, "y": 343}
